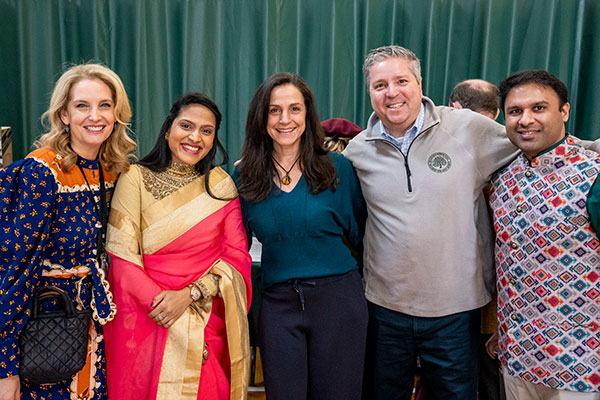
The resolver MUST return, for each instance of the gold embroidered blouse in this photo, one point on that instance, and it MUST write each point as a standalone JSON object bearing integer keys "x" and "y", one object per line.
{"x": 161, "y": 184}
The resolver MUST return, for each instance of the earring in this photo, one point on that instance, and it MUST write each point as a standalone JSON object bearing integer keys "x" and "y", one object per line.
{"x": 67, "y": 129}
{"x": 167, "y": 136}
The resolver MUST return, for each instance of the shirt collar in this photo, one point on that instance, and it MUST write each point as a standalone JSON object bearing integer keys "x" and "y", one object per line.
{"x": 555, "y": 145}
{"x": 413, "y": 130}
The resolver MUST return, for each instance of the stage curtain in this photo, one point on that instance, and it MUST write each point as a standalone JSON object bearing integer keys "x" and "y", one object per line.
{"x": 225, "y": 48}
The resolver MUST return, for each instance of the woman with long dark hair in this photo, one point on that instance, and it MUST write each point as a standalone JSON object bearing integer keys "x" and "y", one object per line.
{"x": 180, "y": 268}
{"x": 300, "y": 201}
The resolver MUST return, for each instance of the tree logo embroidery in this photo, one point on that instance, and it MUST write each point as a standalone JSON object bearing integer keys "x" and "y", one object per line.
{"x": 439, "y": 162}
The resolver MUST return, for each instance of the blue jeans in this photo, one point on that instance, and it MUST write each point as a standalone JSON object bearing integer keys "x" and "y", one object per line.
{"x": 447, "y": 347}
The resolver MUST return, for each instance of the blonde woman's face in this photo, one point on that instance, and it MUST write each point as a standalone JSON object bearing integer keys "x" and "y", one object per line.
{"x": 90, "y": 116}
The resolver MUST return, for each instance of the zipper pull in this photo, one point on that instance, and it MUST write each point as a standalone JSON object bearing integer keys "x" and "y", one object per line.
{"x": 408, "y": 173}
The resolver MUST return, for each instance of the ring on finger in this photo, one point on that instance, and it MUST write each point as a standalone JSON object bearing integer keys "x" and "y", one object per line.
{"x": 160, "y": 317}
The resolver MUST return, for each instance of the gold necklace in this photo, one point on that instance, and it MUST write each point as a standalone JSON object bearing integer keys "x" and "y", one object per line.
{"x": 286, "y": 180}
{"x": 183, "y": 170}
{"x": 161, "y": 184}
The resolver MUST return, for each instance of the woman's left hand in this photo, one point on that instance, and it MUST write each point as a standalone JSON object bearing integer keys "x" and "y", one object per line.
{"x": 169, "y": 305}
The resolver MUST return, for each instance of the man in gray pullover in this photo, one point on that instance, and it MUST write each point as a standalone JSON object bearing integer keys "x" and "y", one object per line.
{"x": 422, "y": 168}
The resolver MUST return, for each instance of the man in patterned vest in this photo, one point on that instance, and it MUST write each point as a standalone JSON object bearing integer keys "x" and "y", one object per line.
{"x": 546, "y": 212}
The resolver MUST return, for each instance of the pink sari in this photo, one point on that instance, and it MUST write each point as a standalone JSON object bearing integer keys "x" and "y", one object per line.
{"x": 178, "y": 239}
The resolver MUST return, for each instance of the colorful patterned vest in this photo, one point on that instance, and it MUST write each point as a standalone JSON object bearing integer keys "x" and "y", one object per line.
{"x": 548, "y": 265}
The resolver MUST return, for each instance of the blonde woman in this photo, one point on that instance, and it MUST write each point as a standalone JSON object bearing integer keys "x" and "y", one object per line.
{"x": 52, "y": 212}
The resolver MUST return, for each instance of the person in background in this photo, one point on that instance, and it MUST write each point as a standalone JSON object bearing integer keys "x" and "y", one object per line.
{"x": 422, "y": 168}
{"x": 484, "y": 98}
{"x": 180, "y": 268}
{"x": 546, "y": 207}
{"x": 338, "y": 132}
{"x": 476, "y": 95}
{"x": 300, "y": 201}
{"x": 51, "y": 217}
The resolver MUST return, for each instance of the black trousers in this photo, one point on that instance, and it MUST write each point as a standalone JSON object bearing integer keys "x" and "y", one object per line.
{"x": 312, "y": 336}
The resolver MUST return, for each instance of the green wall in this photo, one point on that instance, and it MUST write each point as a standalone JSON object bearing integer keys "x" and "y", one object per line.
{"x": 225, "y": 48}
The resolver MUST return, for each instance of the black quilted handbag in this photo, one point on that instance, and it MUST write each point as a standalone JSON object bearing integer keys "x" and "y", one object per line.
{"x": 53, "y": 344}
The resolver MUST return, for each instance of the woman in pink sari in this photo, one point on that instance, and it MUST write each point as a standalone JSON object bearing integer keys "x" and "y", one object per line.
{"x": 180, "y": 269}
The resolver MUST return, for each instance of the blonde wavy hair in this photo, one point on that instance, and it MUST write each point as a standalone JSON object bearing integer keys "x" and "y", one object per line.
{"x": 116, "y": 151}
{"x": 336, "y": 143}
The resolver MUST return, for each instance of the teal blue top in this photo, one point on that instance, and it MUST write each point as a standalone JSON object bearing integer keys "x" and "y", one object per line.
{"x": 302, "y": 233}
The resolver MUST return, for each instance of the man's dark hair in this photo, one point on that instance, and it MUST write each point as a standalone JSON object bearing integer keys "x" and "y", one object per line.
{"x": 537, "y": 76}
{"x": 476, "y": 95}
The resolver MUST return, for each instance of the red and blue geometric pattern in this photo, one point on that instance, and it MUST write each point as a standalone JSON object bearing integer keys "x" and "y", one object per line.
{"x": 548, "y": 266}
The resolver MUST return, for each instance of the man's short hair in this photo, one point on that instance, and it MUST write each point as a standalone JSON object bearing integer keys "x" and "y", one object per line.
{"x": 476, "y": 95}
{"x": 393, "y": 51}
{"x": 538, "y": 77}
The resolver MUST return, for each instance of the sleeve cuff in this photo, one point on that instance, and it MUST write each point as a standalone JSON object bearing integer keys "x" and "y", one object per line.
{"x": 208, "y": 285}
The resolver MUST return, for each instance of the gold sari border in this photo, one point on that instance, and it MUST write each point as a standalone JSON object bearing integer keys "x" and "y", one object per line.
{"x": 182, "y": 358}
{"x": 123, "y": 238}
{"x": 166, "y": 220}
{"x": 162, "y": 208}
{"x": 233, "y": 290}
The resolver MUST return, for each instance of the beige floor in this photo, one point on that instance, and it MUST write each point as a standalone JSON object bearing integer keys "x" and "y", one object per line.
{"x": 256, "y": 395}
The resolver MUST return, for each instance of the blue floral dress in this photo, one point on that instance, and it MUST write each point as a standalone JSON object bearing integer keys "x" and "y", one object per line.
{"x": 48, "y": 230}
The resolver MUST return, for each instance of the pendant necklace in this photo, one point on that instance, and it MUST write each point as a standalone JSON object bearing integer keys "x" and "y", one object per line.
{"x": 286, "y": 180}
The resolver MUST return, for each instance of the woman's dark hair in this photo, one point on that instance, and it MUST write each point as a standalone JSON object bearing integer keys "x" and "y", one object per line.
{"x": 159, "y": 157}
{"x": 258, "y": 169}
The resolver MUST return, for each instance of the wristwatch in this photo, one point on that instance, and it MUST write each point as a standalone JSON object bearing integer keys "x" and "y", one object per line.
{"x": 195, "y": 292}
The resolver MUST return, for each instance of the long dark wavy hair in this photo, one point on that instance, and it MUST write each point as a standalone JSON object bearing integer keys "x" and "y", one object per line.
{"x": 159, "y": 157}
{"x": 258, "y": 169}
